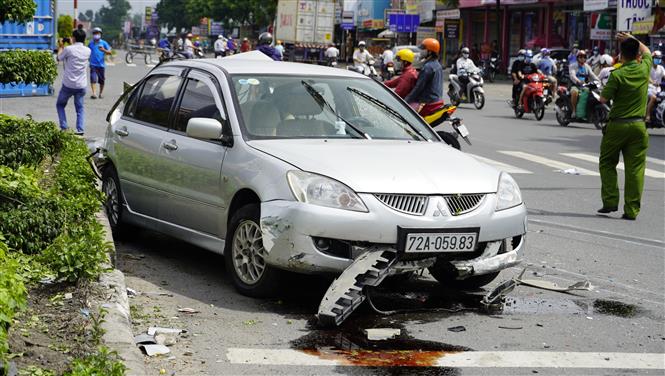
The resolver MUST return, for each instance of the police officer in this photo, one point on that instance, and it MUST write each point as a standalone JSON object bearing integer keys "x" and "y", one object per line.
{"x": 626, "y": 132}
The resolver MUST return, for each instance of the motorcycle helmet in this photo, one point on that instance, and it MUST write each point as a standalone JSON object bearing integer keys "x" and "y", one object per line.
{"x": 606, "y": 60}
{"x": 265, "y": 38}
{"x": 528, "y": 55}
{"x": 520, "y": 54}
{"x": 595, "y": 50}
{"x": 405, "y": 54}
{"x": 465, "y": 52}
{"x": 431, "y": 45}
{"x": 96, "y": 30}
{"x": 197, "y": 43}
{"x": 581, "y": 53}
{"x": 361, "y": 43}
{"x": 545, "y": 52}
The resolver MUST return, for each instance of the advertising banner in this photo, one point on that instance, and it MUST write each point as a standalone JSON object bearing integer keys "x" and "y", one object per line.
{"x": 630, "y": 11}
{"x": 601, "y": 26}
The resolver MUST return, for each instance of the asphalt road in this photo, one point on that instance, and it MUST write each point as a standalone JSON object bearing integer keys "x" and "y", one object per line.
{"x": 616, "y": 328}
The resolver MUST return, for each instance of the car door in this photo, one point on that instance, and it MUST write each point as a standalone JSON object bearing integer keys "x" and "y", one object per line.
{"x": 137, "y": 137}
{"x": 193, "y": 184}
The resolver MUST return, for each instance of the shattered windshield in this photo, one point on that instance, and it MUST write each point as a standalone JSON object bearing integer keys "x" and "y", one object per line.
{"x": 276, "y": 107}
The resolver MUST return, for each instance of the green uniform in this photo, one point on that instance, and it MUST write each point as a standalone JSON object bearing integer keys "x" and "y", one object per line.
{"x": 626, "y": 133}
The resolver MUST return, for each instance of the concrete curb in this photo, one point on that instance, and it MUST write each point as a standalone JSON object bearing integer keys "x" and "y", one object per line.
{"x": 118, "y": 334}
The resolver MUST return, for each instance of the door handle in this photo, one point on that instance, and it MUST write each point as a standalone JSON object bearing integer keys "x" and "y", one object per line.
{"x": 121, "y": 132}
{"x": 171, "y": 145}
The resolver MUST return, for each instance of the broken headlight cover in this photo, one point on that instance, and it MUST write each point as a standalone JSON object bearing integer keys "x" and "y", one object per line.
{"x": 323, "y": 191}
{"x": 508, "y": 194}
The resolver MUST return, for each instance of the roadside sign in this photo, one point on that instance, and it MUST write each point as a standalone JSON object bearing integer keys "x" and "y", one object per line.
{"x": 347, "y": 20}
{"x": 630, "y": 11}
{"x": 452, "y": 29}
{"x": 404, "y": 23}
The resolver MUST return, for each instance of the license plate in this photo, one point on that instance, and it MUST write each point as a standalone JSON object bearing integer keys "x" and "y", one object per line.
{"x": 436, "y": 241}
{"x": 461, "y": 129}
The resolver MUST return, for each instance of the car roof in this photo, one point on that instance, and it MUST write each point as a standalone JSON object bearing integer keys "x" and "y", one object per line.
{"x": 255, "y": 66}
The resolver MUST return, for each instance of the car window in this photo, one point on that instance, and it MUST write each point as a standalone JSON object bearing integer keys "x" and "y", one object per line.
{"x": 130, "y": 104}
{"x": 157, "y": 95}
{"x": 197, "y": 101}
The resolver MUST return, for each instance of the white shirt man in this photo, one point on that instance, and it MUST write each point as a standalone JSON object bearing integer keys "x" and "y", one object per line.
{"x": 656, "y": 78}
{"x": 332, "y": 52}
{"x": 466, "y": 64}
{"x": 387, "y": 56}
{"x": 361, "y": 56}
{"x": 220, "y": 45}
{"x": 189, "y": 47}
{"x": 74, "y": 80}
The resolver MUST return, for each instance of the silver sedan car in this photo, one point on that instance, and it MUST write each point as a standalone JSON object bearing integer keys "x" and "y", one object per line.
{"x": 293, "y": 167}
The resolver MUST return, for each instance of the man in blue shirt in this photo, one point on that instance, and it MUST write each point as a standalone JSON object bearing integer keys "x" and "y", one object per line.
{"x": 99, "y": 49}
{"x": 547, "y": 67}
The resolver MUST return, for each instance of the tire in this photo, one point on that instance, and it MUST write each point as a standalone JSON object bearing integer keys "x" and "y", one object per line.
{"x": 563, "y": 117}
{"x": 446, "y": 276}
{"x": 539, "y": 108}
{"x": 492, "y": 75}
{"x": 479, "y": 100}
{"x": 129, "y": 58}
{"x": 518, "y": 113}
{"x": 599, "y": 117}
{"x": 113, "y": 200}
{"x": 147, "y": 59}
{"x": 246, "y": 278}
{"x": 449, "y": 139}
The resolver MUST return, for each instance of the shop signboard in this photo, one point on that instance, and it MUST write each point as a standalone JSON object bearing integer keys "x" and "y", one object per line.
{"x": 347, "y": 20}
{"x": 425, "y": 32}
{"x": 601, "y": 26}
{"x": 426, "y": 10}
{"x": 630, "y": 11}
{"x": 216, "y": 28}
{"x": 591, "y": 5}
{"x": 373, "y": 24}
{"x": 643, "y": 27}
{"x": 451, "y": 30}
{"x": 404, "y": 23}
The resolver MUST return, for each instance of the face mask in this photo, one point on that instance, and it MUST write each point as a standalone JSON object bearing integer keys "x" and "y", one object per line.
{"x": 466, "y": 55}
{"x": 520, "y": 58}
{"x": 657, "y": 61}
{"x": 96, "y": 37}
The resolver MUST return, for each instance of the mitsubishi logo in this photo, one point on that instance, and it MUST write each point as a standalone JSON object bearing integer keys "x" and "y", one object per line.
{"x": 440, "y": 210}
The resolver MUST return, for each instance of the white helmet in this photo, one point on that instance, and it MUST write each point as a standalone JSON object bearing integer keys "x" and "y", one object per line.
{"x": 361, "y": 43}
{"x": 657, "y": 54}
{"x": 606, "y": 60}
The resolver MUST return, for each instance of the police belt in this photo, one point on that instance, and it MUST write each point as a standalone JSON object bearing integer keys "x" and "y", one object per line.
{"x": 626, "y": 120}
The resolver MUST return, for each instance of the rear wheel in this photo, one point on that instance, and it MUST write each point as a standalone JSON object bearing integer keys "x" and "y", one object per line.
{"x": 563, "y": 114}
{"x": 244, "y": 255}
{"x": 129, "y": 58}
{"x": 539, "y": 108}
{"x": 599, "y": 117}
{"x": 113, "y": 200}
{"x": 479, "y": 100}
{"x": 449, "y": 139}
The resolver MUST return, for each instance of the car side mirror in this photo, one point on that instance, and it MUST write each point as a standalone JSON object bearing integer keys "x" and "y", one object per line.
{"x": 204, "y": 128}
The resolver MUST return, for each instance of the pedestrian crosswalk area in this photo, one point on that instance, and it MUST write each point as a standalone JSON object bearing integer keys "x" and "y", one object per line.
{"x": 584, "y": 164}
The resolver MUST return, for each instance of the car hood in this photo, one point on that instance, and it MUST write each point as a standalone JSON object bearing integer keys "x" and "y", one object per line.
{"x": 379, "y": 166}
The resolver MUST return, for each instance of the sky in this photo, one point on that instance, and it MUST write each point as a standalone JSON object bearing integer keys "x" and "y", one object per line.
{"x": 67, "y": 6}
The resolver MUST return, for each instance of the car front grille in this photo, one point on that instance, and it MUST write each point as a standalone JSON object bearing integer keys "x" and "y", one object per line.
{"x": 462, "y": 204}
{"x": 408, "y": 204}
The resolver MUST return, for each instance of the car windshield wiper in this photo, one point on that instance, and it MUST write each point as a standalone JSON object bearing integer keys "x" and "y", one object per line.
{"x": 321, "y": 101}
{"x": 386, "y": 108}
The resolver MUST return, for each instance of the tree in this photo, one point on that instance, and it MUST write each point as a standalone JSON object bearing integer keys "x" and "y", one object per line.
{"x": 111, "y": 17}
{"x": 171, "y": 14}
{"x": 20, "y": 11}
{"x": 65, "y": 26}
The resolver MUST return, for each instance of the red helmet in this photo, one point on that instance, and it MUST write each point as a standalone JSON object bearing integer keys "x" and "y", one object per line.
{"x": 431, "y": 45}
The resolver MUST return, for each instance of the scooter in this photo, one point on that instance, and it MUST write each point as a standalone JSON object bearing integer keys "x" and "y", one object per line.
{"x": 490, "y": 67}
{"x": 366, "y": 69}
{"x": 436, "y": 114}
{"x": 332, "y": 62}
{"x": 474, "y": 88}
{"x": 658, "y": 113}
{"x": 597, "y": 113}
{"x": 533, "y": 99}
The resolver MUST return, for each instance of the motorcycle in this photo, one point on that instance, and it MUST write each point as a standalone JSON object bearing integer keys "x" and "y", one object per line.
{"x": 533, "y": 99}
{"x": 658, "y": 113}
{"x": 474, "y": 88}
{"x": 332, "y": 62}
{"x": 490, "y": 67}
{"x": 436, "y": 114}
{"x": 390, "y": 71}
{"x": 366, "y": 69}
{"x": 597, "y": 113}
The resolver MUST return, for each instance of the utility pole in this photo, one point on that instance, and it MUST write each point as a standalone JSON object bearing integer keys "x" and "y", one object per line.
{"x": 76, "y": 13}
{"x": 499, "y": 40}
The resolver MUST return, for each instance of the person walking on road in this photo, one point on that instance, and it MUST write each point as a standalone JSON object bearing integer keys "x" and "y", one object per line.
{"x": 75, "y": 79}
{"x": 98, "y": 50}
{"x": 626, "y": 132}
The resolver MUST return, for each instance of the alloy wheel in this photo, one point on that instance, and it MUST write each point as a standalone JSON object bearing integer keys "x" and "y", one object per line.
{"x": 112, "y": 204}
{"x": 248, "y": 252}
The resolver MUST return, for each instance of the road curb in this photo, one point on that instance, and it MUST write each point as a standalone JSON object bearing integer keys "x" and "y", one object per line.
{"x": 118, "y": 334}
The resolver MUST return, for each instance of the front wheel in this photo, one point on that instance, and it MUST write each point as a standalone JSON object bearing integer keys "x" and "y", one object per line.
{"x": 129, "y": 58}
{"x": 539, "y": 108}
{"x": 563, "y": 114}
{"x": 244, "y": 255}
{"x": 479, "y": 100}
{"x": 599, "y": 117}
{"x": 113, "y": 202}
{"x": 449, "y": 139}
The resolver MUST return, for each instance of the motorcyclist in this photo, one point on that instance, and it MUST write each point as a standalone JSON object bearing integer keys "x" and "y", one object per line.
{"x": 547, "y": 66}
{"x": 515, "y": 71}
{"x": 332, "y": 53}
{"x": 527, "y": 68}
{"x": 165, "y": 46}
{"x": 220, "y": 46}
{"x": 580, "y": 73}
{"x": 264, "y": 45}
{"x": 429, "y": 86}
{"x": 387, "y": 58}
{"x": 606, "y": 67}
{"x": 188, "y": 46}
{"x": 464, "y": 66}
{"x": 404, "y": 83}
{"x": 361, "y": 56}
{"x": 572, "y": 57}
{"x": 655, "y": 79}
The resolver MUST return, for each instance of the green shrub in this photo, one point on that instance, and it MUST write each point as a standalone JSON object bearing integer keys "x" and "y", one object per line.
{"x": 102, "y": 363}
{"x": 25, "y": 141}
{"x": 20, "y": 11}
{"x": 32, "y": 66}
{"x": 12, "y": 296}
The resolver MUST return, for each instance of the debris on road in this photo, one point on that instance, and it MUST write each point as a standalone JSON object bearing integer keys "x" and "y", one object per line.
{"x": 166, "y": 339}
{"x": 68, "y": 296}
{"x": 379, "y": 334}
{"x": 131, "y": 292}
{"x": 188, "y": 310}
{"x": 144, "y": 339}
{"x": 569, "y": 171}
{"x": 346, "y": 293}
{"x": 152, "y": 350}
{"x": 547, "y": 285}
{"x": 154, "y": 330}
{"x": 457, "y": 329}
{"x": 510, "y": 327}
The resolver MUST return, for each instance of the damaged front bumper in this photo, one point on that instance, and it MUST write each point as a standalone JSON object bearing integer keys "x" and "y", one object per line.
{"x": 313, "y": 239}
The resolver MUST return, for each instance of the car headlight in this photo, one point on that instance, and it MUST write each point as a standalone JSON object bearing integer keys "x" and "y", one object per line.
{"x": 323, "y": 191}
{"x": 508, "y": 193}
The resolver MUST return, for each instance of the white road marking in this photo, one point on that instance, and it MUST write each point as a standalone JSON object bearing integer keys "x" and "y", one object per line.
{"x": 620, "y": 166}
{"x": 548, "y": 162}
{"x": 655, "y": 160}
{"x": 501, "y": 166}
{"x": 150, "y": 65}
{"x": 469, "y": 359}
{"x": 131, "y": 65}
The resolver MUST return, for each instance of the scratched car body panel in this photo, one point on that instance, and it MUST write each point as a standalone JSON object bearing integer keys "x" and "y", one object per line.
{"x": 335, "y": 162}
